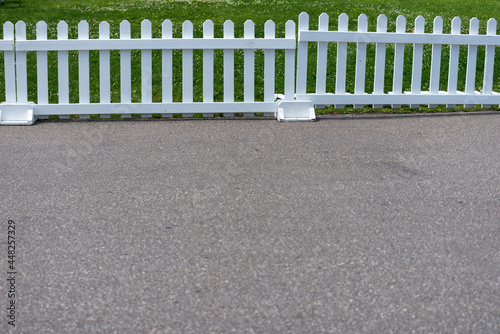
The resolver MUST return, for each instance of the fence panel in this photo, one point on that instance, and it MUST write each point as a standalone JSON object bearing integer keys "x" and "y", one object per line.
{"x": 414, "y": 98}
{"x": 125, "y": 44}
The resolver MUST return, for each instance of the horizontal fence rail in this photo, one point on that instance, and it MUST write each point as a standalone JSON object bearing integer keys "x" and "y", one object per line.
{"x": 381, "y": 38}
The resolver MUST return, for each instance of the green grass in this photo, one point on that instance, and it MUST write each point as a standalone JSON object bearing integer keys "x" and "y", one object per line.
{"x": 114, "y": 11}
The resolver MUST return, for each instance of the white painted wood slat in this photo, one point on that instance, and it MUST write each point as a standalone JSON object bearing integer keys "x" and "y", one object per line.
{"x": 470, "y": 80}
{"x": 125, "y": 68}
{"x": 321, "y": 68}
{"x": 166, "y": 68}
{"x": 289, "y": 63}
{"x": 249, "y": 67}
{"x": 418, "y": 50}
{"x": 454, "y": 54}
{"x": 302, "y": 53}
{"x": 359, "y": 84}
{"x": 10, "y": 64}
{"x": 397, "y": 84}
{"x": 157, "y": 44}
{"x": 228, "y": 66}
{"x": 104, "y": 68}
{"x": 208, "y": 66}
{"x": 269, "y": 65}
{"x": 21, "y": 71}
{"x": 436, "y": 60}
{"x": 63, "y": 67}
{"x": 41, "y": 66}
{"x": 146, "y": 67}
{"x": 341, "y": 70}
{"x": 83, "y": 68}
{"x": 489, "y": 62}
{"x": 378, "y": 84}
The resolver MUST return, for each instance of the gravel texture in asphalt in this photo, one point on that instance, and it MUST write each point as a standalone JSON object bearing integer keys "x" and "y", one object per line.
{"x": 378, "y": 223}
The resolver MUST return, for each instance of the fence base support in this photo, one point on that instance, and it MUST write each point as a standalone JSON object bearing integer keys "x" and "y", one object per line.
{"x": 17, "y": 114}
{"x": 296, "y": 111}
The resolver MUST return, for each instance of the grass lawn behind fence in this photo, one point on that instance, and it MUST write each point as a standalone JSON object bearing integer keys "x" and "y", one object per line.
{"x": 114, "y": 11}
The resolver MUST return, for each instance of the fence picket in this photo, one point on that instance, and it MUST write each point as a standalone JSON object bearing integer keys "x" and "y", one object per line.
{"x": 359, "y": 84}
{"x": 249, "y": 67}
{"x": 63, "y": 67}
{"x": 418, "y": 50}
{"x": 470, "y": 80}
{"x": 454, "y": 54}
{"x": 341, "y": 71}
{"x": 208, "y": 66}
{"x": 378, "y": 84}
{"x": 399, "y": 54}
{"x": 228, "y": 66}
{"x": 166, "y": 67}
{"x": 436, "y": 60}
{"x": 321, "y": 69}
{"x": 83, "y": 68}
{"x": 146, "y": 67}
{"x": 21, "y": 71}
{"x": 125, "y": 68}
{"x": 104, "y": 69}
{"x": 289, "y": 63}
{"x": 489, "y": 62}
{"x": 302, "y": 51}
{"x": 269, "y": 65}
{"x": 10, "y": 65}
{"x": 41, "y": 66}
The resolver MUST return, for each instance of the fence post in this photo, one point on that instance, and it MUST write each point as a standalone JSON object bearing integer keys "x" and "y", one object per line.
{"x": 291, "y": 109}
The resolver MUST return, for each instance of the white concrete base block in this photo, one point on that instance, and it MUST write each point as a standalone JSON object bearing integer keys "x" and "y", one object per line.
{"x": 296, "y": 111}
{"x": 17, "y": 114}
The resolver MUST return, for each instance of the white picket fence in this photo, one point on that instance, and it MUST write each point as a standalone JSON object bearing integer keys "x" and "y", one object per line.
{"x": 295, "y": 104}
{"x": 397, "y": 98}
{"x": 16, "y": 75}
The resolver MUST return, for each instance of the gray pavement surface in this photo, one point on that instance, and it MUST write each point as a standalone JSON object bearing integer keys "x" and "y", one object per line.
{"x": 352, "y": 224}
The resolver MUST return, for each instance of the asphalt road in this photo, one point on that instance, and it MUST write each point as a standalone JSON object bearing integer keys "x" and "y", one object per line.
{"x": 352, "y": 224}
